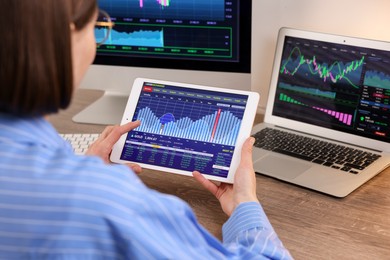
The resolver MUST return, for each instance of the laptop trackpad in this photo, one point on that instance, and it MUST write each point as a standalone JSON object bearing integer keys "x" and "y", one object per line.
{"x": 280, "y": 167}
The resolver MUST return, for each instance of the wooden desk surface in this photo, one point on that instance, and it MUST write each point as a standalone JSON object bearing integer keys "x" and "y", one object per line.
{"x": 310, "y": 224}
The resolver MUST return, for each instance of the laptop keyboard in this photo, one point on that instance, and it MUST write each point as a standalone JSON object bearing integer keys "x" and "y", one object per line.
{"x": 80, "y": 142}
{"x": 328, "y": 154}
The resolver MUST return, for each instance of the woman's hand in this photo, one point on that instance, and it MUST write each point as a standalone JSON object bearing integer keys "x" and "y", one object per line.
{"x": 102, "y": 147}
{"x": 244, "y": 187}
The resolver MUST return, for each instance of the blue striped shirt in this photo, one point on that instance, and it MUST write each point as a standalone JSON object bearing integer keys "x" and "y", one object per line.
{"x": 54, "y": 204}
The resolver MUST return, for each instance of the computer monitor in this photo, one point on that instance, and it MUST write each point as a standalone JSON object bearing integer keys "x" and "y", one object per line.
{"x": 204, "y": 42}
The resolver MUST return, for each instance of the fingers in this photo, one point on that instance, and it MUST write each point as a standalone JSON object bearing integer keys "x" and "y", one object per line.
{"x": 205, "y": 182}
{"x": 244, "y": 187}
{"x": 106, "y": 131}
{"x": 112, "y": 134}
{"x": 246, "y": 152}
{"x": 135, "y": 167}
{"x": 245, "y": 177}
{"x": 102, "y": 147}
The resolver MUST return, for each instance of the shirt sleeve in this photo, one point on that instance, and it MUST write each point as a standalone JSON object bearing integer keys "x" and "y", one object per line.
{"x": 248, "y": 232}
{"x": 135, "y": 222}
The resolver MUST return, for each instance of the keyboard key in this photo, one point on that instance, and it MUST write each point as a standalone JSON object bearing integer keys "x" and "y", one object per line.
{"x": 80, "y": 142}
{"x": 327, "y": 164}
{"x": 300, "y": 156}
{"x": 318, "y": 161}
{"x": 358, "y": 167}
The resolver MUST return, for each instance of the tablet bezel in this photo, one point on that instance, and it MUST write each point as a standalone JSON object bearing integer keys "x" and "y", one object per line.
{"x": 244, "y": 133}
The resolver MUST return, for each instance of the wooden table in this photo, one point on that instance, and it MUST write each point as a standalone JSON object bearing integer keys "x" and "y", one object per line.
{"x": 310, "y": 224}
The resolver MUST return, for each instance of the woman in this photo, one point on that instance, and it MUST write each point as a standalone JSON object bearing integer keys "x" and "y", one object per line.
{"x": 54, "y": 204}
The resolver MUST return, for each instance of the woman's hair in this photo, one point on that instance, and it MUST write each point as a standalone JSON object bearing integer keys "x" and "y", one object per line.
{"x": 36, "y": 76}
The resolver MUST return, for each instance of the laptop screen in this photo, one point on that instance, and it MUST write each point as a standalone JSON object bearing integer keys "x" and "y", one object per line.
{"x": 337, "y": 86}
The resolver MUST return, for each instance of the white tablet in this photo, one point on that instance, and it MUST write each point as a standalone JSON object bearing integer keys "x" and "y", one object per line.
{"x": 186, "y": 127}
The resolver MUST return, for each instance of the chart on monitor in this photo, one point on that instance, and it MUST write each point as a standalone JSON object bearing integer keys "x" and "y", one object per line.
{"x": 205, "y": 42}
{"x": 180, "y": 29}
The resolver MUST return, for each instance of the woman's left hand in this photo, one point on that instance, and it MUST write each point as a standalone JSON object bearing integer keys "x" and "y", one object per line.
{"x": 102, "y": 147}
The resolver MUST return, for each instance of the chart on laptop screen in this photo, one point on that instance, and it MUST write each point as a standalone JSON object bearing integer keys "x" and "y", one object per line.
{"x": 335, "y": 86}
{"x": 185, "y": 128}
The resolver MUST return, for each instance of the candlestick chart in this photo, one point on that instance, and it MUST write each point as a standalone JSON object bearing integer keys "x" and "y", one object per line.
{"x": 322, "y": 70}
{"x": 167, "y": 9}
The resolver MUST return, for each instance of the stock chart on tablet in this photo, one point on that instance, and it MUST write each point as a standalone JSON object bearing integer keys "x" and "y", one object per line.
{"x": 185, "y": 128}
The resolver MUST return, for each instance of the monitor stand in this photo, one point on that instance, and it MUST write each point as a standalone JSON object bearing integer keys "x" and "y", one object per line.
{"x": 107, "y": 110}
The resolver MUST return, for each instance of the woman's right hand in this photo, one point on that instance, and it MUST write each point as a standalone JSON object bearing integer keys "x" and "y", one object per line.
{"x": 244, "y": 187}
{"x": 102, "y": 147}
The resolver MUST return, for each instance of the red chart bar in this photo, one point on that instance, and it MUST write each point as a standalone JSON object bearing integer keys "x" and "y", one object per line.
{"x": 215, "y": 124}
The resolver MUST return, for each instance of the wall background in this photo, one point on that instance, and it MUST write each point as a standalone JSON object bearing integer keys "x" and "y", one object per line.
{"x": 357, "y": 18}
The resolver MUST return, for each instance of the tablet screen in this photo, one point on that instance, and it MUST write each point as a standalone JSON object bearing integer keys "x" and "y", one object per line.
{"x": 185, "y": 128}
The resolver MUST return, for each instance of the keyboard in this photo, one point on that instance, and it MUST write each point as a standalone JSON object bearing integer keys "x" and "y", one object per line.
{"x": 80, "y": 142}
{"x": 337, "y": 156}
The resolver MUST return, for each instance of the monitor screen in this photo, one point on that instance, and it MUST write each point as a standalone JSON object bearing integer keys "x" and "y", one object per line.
{"x": 205, "y": 42}
{"x": 212, "y": 35}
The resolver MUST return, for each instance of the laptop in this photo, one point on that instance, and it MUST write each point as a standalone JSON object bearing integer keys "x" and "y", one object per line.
{"x": 327, "y": 120}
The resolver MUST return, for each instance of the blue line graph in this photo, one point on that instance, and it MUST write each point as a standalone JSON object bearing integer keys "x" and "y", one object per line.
{"x": 181, "y": 118}
{"x": 147, "y": 38}
{"x": 219, "y": 127}
{"x": 377, "y": 79}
